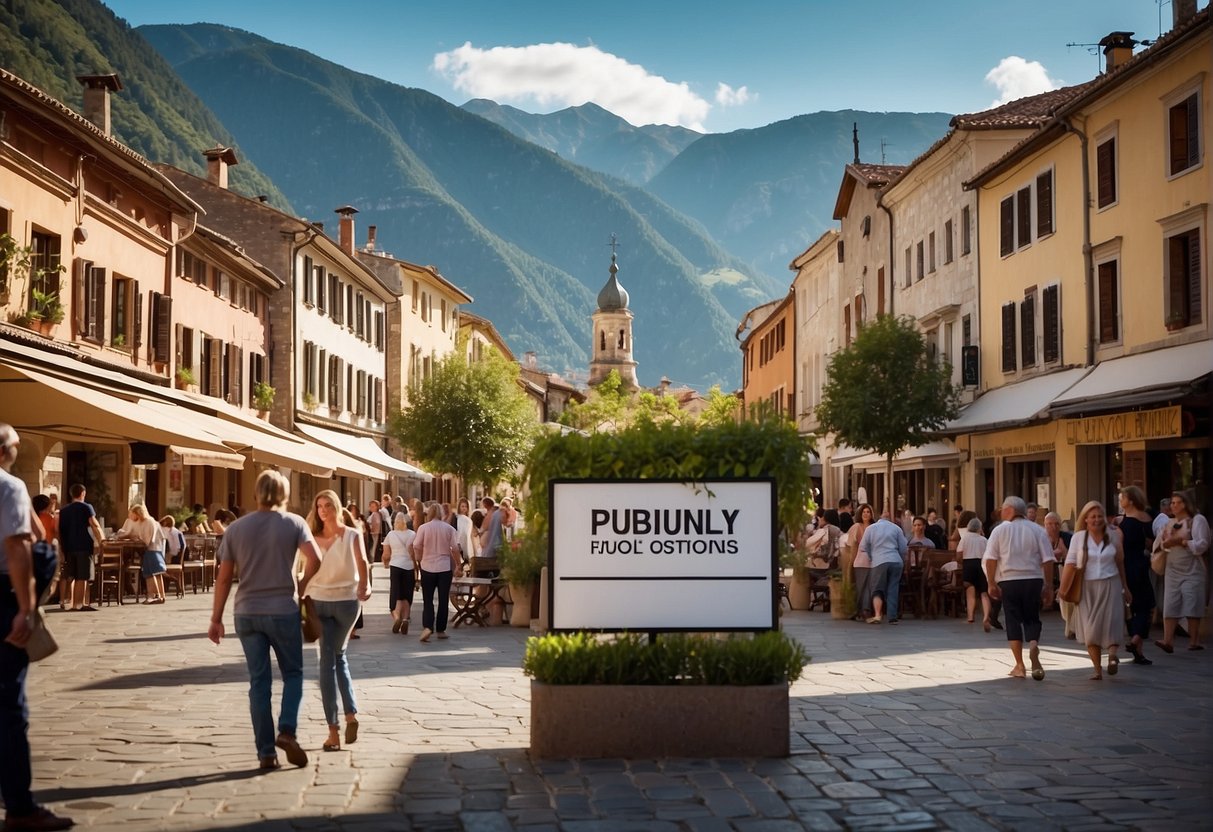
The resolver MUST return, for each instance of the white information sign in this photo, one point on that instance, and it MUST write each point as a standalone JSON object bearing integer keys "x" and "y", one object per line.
{"x": 662, "y": 556}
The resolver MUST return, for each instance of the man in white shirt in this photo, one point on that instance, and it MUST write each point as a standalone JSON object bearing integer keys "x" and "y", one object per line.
{"x": 1019, "y": 568}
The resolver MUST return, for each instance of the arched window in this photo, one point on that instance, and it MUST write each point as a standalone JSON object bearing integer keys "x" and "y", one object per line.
{"x": 602, "y": 340}
{"x": 620, "y": 345}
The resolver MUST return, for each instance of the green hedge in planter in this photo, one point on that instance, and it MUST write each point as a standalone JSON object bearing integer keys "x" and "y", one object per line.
{"x": 675, "y": 659}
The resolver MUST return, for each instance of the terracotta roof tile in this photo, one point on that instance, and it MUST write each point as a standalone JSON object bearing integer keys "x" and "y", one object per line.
{"x": 1029, "y": 111}
{"x": 876, "y": 174}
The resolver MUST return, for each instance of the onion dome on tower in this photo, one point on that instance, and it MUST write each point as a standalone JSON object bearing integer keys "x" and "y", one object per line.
{"x": 612, "y": 332}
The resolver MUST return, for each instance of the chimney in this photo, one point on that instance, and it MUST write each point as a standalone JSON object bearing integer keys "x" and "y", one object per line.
{"x": 1182, "y": 11}
{"x": 1117, "y": 49}
{"x": 345, "y": 228}
{"x": 370, "y": 237}
{"x": 665, "y": 386}
{"x": 97, "y": 89}
{"x": 855, "y": 139}
{"x": 218, "y": 160}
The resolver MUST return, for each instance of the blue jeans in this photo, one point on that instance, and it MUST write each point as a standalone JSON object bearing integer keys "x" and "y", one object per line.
{"x": 15, "y": 774}
{"x": 336, "y": 623}
{"x": 258, "y": 635}
{"x": 889, "y": 588}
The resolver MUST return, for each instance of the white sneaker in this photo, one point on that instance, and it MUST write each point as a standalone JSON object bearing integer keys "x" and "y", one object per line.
{"x": 874, "y": 619}
{"x": 426, "y": 633}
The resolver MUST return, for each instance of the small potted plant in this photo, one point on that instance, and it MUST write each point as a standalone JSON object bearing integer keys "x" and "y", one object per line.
{"x": 118, "y": 342}
{"x": 522, "y": 563}
{"x": 309, "y": 403}
{"x": 186, "y": 379}
{"x": 1175, "y": 321}
{"x": 46, "y": 310}
{"x": 263, "y": 396}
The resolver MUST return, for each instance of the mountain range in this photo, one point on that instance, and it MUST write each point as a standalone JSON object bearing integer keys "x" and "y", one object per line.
{"x": 515, "y": 208}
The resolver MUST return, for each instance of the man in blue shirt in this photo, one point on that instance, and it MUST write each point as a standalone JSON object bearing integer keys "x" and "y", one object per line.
{"x": 76, "y": 522}
{"x": 885, "y": 543}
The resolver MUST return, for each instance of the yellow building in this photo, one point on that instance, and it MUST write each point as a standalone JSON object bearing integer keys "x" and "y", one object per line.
{"x": 1095, "y": 332}
{"x": 768, "y": 364}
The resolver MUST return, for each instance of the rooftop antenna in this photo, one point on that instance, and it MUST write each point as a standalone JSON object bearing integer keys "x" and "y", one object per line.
{"x": 883, "y": 144}
{"x": 1160, "y": 4}
{"x": 855, "y": 139}
{"x": 1094, "y": 48}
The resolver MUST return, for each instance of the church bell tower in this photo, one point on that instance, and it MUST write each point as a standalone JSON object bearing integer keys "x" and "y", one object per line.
{"x": 612, "y": 332}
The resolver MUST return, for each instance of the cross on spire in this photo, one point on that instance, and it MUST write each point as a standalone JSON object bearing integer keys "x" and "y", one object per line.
{"x": 613, "y": 244}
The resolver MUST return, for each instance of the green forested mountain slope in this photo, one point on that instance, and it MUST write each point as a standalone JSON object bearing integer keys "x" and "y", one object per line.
{"x": 49, "y": 42}
{"x": 521, "y": 229}
{"x": 593, "y": 137}
{"x": 765, "y": 194}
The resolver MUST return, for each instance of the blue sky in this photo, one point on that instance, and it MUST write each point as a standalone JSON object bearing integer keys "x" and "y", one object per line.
{"x": 714, "y": 65}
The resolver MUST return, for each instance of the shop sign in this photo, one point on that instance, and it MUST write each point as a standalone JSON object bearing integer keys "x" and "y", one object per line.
{"x": 175, "y": 493}
{"x": 1163, "y": 423}
{"x": 1022, "y": 449}
{"x": 659, "y": 555}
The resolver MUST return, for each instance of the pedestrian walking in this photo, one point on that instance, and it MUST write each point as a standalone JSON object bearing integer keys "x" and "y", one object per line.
{"x": 1100, "y": 620}
{"x": 1137, "y": 537}
{"x": 436, "y": 549}
{"x": 398, "y": 558}
{"x": 971, "y": 548}
{"x": 77, "y": 527}
{"x": 1186, "y": 540}
{"x": 262, "y": 546}
{"x": 885, "y": 544}
{"x": 1019, "y": 570}
{"x": 18, "y": 530}
{"x": 338, "y": 589}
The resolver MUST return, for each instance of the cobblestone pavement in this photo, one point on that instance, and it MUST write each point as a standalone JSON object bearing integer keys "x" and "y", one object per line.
{"x": 141, "y": 723}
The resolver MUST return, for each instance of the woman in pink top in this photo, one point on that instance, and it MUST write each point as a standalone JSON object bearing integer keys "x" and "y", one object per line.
{"x": 338, "y": 588}
{"x": 436, "y": 550}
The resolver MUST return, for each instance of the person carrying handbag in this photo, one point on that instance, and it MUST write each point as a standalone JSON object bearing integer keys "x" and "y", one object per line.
{"x": 1185, "y": 541}
{"x": 17, "y": 605}
{"x": 1100, "y": 603}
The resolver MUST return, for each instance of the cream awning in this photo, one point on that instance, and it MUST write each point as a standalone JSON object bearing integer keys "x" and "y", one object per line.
{"x": 362, "y": 448}
{"x": 1013, "y": 405}
{"x": 259, "y": 446}
{"x": 1135, "y": 380}
{"x": 62, "y": 408}
{"x": 939, "y": 453}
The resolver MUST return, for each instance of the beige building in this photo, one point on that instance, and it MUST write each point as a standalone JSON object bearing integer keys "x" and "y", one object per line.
{"x": 1096, "y": 351}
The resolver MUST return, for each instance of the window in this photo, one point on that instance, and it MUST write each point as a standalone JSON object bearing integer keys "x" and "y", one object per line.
{"x": 846, "y": 325}
{"x": 1027, "y": 329}
{"x": 1044, "y": 204}
{"x": 319, "y": 273}
{"x": 361, "y": 403}
{"x": 1183, "y": 128}
{"x": 256, "y": 365}
{"x": 425, "y": 306}
{"x": 1108, "y": 305}
{"x": 1006, "y": 226}
{"x": 416, "y": 291}
{"x": 349, "y": 306}
{"x": 966, "y": 330}
{"x": 1008, "y": 337}
{"x": 1184, "y": 272}
{"x": 4, "y": 229}
{"x": 349, "y": 387}
{"x": 880, "y": 291}
{"x": 931, "y": 252}
{"x": 966, "y": 232}
{"x": 306, "y": 280}
{"x": 1051, "y": 319}
{"x": 858, "y": 307}
{"x": 1105, "y": 173}
{"x": 360, "y": 316}
{"x": 223, "y": 286}
{"x": 867, "y": 225}
{"x": 947, "y": 242}
{"x": 920, "y": 258}
{"x": 309, "y": 368}
{"x": 379, "y": 327}
{"x": 185, "y": 348}
{"x": 840, "y": 251}
{"x": 335, "y": 376}
{"x": 121, "y": 329}
{"x": 44, "y": 263}
{"x": 233, "y": 380}
{"x": 1023, "y": 217}
{"x": 442, "y": 308}
{"x": 322, "y": 363}
{"x": 909, "y": 266}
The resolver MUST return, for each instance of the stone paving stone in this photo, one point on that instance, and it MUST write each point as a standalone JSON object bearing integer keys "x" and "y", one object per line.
{"x": 707, "y": 824}
{"x": 849, "y": 790}
{"x": 767, "y": 825}
{"x": 818, "y": 821}
{"x": 726, "y": 803}
{"x": 679, "y": 810}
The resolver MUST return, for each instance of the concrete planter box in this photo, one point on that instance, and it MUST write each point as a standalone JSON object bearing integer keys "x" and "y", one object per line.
{"x": 643, "y": 721}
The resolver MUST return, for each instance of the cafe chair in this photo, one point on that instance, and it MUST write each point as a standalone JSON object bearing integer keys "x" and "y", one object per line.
{"x": 107, "y": 582}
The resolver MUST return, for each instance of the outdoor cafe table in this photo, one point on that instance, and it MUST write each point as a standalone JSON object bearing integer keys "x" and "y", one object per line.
{"x": 129, "y": 553}
{"x": 472, "y": 606}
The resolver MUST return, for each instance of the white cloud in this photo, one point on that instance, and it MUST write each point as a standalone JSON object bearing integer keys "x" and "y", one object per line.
{"x": 1015, "y": 78}
{"x": 553, "y": 75}
{"x": 726, "y": 96}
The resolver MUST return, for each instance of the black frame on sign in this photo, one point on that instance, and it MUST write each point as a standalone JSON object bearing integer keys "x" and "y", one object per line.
{"x": 706, "y": 484}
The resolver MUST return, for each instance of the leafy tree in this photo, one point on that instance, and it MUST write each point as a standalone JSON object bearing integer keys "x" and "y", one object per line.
{"x": 469, "y": 418}
{"x": 722, "y": 408}
{"x": 610, "y": 407}
{"x": 884, "y": 392}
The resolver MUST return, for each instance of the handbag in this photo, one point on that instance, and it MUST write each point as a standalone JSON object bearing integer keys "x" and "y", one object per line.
{"x": 1070, "y": 590}
{"x": 1158, "y": 557}
{"x": 41, "y": 640}
{"x": 309, "y": 619}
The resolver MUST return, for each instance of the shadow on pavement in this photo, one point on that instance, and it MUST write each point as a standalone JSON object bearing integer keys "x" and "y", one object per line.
{"x": 214, "y": 674}
{"x": 144, "y": 786}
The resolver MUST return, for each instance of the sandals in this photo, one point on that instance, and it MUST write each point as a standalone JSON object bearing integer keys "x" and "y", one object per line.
{"x": 351, "y": 731}
{"x": 327, "y": 746}
{"x": 1164, "y": 647}
{"x": 1038, "y": 671}
{"x": 1113, "y": 665}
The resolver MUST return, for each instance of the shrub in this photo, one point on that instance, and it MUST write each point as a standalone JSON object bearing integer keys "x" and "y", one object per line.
{"x": 523, "y": 559}
{"x": 585, "y": 659}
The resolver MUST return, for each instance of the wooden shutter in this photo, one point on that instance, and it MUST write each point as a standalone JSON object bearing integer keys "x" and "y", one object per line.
{"x": 95, "y": 314}
{"x": 880, "y": 291}
{"x": 238, "y": 376}
{"x": 319, "y": 277}
{"x": 1008, "y": 337}
{"x": 162, "y": 309}
{"x": 1023, "y": 217}
{"x": 214, "y": 368}
{"x": 1027, "y": 329}
{"x": 137, "y": 315}
{"x": 1109, "y": 325}
{"x": 306, "y": 279}
{"x": 1194, "y": 298}
{"x": 1044, "y": 204}
{"x": 1051, "y": 314}
{"x": 1185, "y": 135}
{"x": 179, "y": 341}
{"x": 80, "y": 270}
{"x": 965, "y": 230}
{"x": 1006, "y": 226}
{"x": 1105, "y": 167}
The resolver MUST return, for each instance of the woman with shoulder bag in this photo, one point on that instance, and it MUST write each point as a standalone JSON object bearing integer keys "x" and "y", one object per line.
{"x": 1096, "y": 550}
{"x": 1186, "y": 540}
